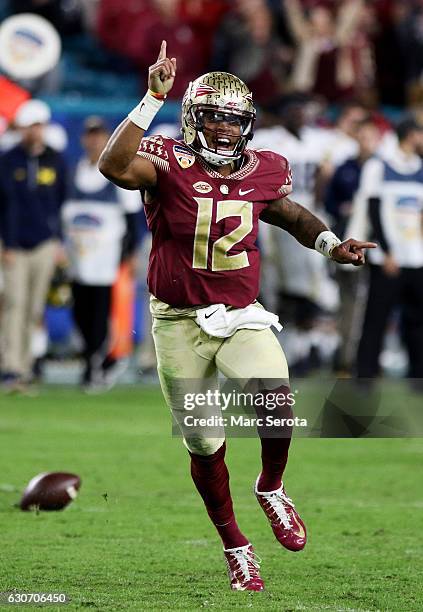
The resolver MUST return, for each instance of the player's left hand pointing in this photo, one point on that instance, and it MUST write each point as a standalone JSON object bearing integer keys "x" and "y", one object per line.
{"x": 351, "y": 252}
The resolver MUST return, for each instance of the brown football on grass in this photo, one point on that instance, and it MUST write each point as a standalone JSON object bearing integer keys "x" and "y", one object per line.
{"x": 50, "y": 491}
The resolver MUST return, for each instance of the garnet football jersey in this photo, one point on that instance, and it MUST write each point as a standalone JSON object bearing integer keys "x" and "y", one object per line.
{"x": 205, "y": 225}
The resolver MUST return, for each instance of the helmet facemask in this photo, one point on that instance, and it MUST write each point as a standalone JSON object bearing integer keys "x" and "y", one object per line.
{"x": 224, "y": 143}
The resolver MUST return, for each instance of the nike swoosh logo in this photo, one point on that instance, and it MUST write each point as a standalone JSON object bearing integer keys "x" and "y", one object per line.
{"x": 211, "y": 314}
{"x": 300, "y": 529}
{"x": 242, "y": 192}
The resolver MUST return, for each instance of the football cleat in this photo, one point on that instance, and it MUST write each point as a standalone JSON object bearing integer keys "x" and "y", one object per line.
{"x": 284, "y": 520}
{"x": 243, "y": 569}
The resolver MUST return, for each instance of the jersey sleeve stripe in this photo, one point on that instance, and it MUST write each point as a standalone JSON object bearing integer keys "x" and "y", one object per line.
{"x": 285, "y": 190}
{"x": 160, "y": 163}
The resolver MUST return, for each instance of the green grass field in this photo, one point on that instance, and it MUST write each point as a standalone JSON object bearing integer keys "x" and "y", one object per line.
{"x": 139, "y": 538}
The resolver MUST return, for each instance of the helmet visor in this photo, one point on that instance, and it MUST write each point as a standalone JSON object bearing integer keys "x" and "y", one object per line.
{"x": 210, "y": 118}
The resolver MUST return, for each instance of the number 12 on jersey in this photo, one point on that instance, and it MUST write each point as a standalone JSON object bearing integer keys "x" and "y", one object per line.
{"x": 220, "y": 258}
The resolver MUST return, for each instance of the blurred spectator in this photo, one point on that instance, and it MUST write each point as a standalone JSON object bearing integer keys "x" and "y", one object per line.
{"x": 246, "y": 45}
{"x": 345, "y": 181}
{"x": 341, "y": 145}
{"x": 295, "y": 281}
{"x": 334, "y": 57}
{"x": 117, "y": 25}
{"x": 409, "y": 29}
{"x": 205, "y": 17}
{"x": 89, "y": 14}
{"x": 389, "y": 60}
{"x": 344, "y": 143}
{"x": 32, "y": 178}
{"x": 65, "y": 15}
{"x": 389, "y": 206}
{"x": 339, "y": 200}
{"x": 100, "y": 228}
{"x": 54, "y": 135}
{"x": 137, "y": 29}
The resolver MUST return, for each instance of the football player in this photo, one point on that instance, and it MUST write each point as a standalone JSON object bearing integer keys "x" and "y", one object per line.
{"x": 204, "y": 196}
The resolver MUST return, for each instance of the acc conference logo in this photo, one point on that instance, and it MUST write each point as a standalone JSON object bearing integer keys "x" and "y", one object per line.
{"x": 30, "y": 46}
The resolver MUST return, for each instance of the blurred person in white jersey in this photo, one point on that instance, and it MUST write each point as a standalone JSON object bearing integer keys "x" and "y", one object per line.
{"x": 339, "y": 201}
{"x": 100, "y": 229}
{"x": 297, "y": 276}
{"x": 389, "y": 207}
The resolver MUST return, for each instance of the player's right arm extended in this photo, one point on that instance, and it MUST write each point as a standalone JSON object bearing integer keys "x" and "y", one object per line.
{"x": 119, "y": 161}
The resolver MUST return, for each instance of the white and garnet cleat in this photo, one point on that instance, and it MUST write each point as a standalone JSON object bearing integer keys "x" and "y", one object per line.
{"x": 284, "y": 520}
{"x": 243, "y": 569}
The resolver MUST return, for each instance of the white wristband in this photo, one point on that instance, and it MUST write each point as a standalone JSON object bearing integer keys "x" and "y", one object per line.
{"x": 325, "y": 243}
{"x": 143, "y": 114}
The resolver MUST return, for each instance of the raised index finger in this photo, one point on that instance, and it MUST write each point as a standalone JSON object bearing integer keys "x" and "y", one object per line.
{"x": 365, "y": 245}
{"x": 162, "y": 53}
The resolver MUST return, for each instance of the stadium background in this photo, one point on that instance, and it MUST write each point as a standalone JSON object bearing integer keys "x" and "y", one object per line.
{"x": 107, "y": 47}
{"x": 110, "y": 550}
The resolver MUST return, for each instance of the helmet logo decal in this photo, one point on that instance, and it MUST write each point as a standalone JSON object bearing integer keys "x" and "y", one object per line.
{"x": 184, "y": 157}
{"x": 204, "y": 90}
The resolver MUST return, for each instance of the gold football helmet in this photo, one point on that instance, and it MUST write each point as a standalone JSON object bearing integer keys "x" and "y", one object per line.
{"x": 220, "y": 98}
